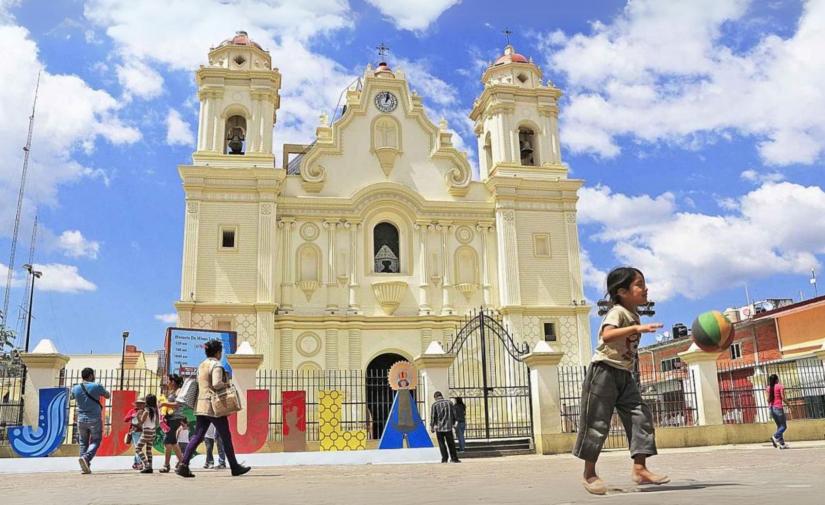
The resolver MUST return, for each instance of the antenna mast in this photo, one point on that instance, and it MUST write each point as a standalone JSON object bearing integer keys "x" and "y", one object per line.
{"x": 26, "y": 151}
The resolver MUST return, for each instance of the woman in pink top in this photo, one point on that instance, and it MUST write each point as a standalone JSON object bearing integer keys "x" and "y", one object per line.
{"x": 776, "y": 398}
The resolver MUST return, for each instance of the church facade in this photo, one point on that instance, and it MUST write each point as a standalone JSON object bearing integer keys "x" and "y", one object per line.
{"x": 375, "y": 239}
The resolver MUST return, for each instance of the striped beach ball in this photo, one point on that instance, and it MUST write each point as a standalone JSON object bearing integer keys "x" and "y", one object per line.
{"x": 712, "y": 331}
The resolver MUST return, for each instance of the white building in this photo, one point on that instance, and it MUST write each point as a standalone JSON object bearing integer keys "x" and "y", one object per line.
{"x": 374, "y": 239}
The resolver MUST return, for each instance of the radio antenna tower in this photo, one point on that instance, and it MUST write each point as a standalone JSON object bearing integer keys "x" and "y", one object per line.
{"x": 26, "y": 151}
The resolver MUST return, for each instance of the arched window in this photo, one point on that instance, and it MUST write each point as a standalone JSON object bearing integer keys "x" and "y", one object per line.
{"x": 235, "y": 142}
{"x": 386, "y": 249}
{"x": 527, "y": 145}
{"x": 488, "y": 152}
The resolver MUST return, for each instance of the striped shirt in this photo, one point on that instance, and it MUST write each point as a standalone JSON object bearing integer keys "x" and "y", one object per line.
{"x": 442, "y": 415}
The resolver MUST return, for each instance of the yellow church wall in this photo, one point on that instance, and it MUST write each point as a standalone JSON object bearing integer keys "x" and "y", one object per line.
{"x": 227, "y": 276}
{"x": 544, "y": 280}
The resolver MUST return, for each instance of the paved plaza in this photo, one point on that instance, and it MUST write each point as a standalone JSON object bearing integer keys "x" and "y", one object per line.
{"x": 743, "y": 475}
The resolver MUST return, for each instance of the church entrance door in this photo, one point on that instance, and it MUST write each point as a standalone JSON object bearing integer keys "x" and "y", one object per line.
{"x": 379, "y": 394}
{"x": 489, "y": 375}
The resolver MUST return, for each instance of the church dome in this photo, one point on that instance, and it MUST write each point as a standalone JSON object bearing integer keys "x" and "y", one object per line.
{"x": 241, "y": 38}
{"x": 383, "y": 70}
{"x": 510, "y": 56}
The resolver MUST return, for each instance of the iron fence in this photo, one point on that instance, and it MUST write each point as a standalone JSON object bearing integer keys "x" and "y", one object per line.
{"x": 671, "y": 397}
{"x": 141, "y": 380}
{"x": 743, "y": 390}
{"x": 367, "y": 398}
{"x": 11, "y": 400}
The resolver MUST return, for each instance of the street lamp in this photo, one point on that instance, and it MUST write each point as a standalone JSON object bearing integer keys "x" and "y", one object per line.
{"x": 34, "y": 275}
{"x": 123, "y": 358}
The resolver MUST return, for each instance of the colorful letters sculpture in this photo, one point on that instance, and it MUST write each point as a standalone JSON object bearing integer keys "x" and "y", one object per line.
{"x": 330, "y": 434}
{"x": 54, "y": 415}
{"x": 256, "y": 411}
{"x": 294, "y": 416}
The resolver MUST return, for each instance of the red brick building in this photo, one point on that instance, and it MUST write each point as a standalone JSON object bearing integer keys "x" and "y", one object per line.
{"x": 787, "y": 332}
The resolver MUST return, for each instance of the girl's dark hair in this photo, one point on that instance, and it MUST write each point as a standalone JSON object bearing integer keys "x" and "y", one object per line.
{"x": 176, "y": 379}
{"x": 212, "y": 348}
{"x": 152, "y": 406}
{"x": 772, "y": 380}
{"x": 620, "y": 278}
{"x": 459, "y": 401}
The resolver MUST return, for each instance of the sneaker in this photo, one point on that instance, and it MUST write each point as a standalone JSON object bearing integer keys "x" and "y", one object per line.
{"x": 147, "y": 470}
{"x": 84, "y": 465}
{"x": 783, "y": 445}
{"x": 206, "y": 466}
{"x": 240, "y": 470}
{"x": 184, "y": 471}
{"x": 137, "y": 466}
{"x": 456, "y": 461}
{"x": 773, "y": 442}
{"x": 776, "y": 443}
{"x": 221, "y": 466}
{"x": 165, "y": 469}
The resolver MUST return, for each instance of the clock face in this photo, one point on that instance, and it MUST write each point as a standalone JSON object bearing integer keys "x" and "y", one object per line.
{"x": 386, "y": 101}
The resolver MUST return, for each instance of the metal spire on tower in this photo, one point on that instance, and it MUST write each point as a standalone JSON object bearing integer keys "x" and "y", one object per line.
{"x": 26, "y": 151}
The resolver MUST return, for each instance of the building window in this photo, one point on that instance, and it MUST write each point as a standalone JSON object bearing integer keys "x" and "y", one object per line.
{"x": 541, "y": 245}
{"x": 549, "y": 332}
{"x": 527, "y": 145}
{"x": 736, "y": 351}
{"x": 385, "y": 249}
{"x": 229, "y": 237}
{"x": 668, "y": 365}
{"x": 223, "y": 324}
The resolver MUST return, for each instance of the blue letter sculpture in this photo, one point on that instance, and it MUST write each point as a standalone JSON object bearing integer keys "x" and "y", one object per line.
{"x": 404, "y": 421}
{"x": 54, "y": 413}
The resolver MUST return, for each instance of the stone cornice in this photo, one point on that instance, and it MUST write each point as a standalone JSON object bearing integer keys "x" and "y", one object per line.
{"x": 248, "y": 361}
{"x": 495, "y": 96}
{"x": 547, "y": 310}
{"x": 433, "y": 361}
{"x": 50, "y": 361}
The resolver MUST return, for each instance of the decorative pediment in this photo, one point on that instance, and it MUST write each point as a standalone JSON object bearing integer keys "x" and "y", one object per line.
{"x": 402, "y": 132}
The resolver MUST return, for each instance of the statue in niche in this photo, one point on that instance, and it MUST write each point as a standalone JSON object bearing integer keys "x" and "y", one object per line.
{"x": 385, "y": 134}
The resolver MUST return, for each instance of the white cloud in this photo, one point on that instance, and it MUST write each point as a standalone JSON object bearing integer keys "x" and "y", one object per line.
{"x": 75, "y": 245}
{"x": 662, "y": 72}
{"x": 180, "y": 40}
{"x": 752, "y": 175}
{"x": 70, "y": 116}
{"x": 592, "y": 276}
{"x": 140, "y": 80}
{"x": 178, "y": 131}
{"x": 413, "y": 16}
{"x": 171, "y": 318}
{"x": 62, "y": 279}
{"x": 18, "y": 279}
{"x": 775, "y": 229}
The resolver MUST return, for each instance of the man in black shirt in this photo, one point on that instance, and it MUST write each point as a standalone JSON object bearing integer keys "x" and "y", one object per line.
{"x": 442, "y": 421}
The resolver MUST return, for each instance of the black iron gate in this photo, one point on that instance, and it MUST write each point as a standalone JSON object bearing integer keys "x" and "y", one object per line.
{"x": 489, "y": 375}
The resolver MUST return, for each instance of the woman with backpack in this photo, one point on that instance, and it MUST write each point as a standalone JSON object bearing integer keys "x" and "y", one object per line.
{"x": 211, "y": 382}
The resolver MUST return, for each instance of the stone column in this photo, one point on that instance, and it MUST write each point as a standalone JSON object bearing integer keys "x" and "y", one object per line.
{"x": 331, "y": 349}
{"x": 703, "y": 367}
{"x": 244, "y": 365}
{"x": 446, "y": 283}
{"x": 354, "y": 307}
{"x": 43, "y": 367}
{"x": 355, "y": 349}
{"x": 509, "y": 284}
{"x": 483, "y": 230}
{"x": 287, "y": 272}
{"x": 287, "y": 347}
{"x": 424, "y": 308}
{"x": 543, "y": 362}
{"x": 434, "y": 366}
{"x": 189, "y": 274}
{"x": 202, "y": 121}
{"x": 332, "y": 279}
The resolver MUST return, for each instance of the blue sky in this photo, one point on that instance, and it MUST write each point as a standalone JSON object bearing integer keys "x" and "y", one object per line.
{"x": 697, "y": 127}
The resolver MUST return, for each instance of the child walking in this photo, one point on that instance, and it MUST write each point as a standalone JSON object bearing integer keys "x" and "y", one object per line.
{"x": 776, "y": 398}
{"x": 135, "y": 430}
{"x": 611, "y": 382}
{"x": 183, "y": 434}
{"x": 148, "y": 420}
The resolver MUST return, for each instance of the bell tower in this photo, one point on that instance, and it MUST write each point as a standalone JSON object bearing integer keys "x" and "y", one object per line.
{"x": 516, "y": 117}
{"x": 238, "y": 94}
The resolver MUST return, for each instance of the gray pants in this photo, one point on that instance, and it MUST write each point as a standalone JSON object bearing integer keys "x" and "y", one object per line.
{"x": 604, "y": 388}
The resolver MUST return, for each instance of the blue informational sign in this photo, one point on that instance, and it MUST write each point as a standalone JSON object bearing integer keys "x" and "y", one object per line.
{"x": 184, "y": 348}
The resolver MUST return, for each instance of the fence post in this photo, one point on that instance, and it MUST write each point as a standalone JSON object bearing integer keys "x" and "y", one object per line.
{"x": 821, "y": 355}
{"x": 43, "y": 367}
{"x": 705, "y": 374}
{"x": 544, "y": 392}
{"x": 244, "y": 365}
{"x": 434, "y": 365}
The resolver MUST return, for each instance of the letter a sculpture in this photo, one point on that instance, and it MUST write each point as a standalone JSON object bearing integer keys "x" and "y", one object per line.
{"x": 404, "y": 422}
